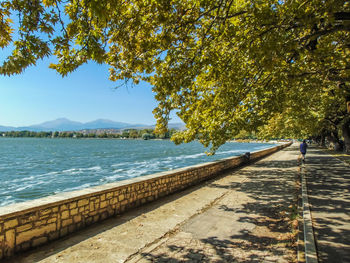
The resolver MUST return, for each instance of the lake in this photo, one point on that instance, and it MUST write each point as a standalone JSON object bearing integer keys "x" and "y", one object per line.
{"x": 32, "y": 167}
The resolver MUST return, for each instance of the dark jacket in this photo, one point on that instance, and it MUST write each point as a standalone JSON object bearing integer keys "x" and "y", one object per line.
{"x": 303, "y": 147}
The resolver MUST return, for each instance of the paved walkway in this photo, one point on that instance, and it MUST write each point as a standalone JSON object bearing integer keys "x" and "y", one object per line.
{"x": 328, "y": 182}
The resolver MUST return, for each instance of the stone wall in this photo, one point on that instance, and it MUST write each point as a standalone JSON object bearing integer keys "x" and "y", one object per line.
{"x": 33, "y": 223}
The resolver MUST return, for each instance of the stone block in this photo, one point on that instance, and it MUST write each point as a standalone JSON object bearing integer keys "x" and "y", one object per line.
{"x": 103, "y": 197}
{"x": 77, "y": 218}
{"x": 88, "y": 221}
{"x": 86, "y": 212}
{"x": 52, "y": 220}
{"x": 11, "y": 223}
{"x": 28, "y": 218}
{"x": 45, "y": 212}
{"x": 9, "y": 241}
{"x": 67, "y": 222}
{"x": 103, "y": 204}
{"x": 104, "y": 215}
{"x": 55, "y": 209}
{"x": 65, "y": 214}
{"x": 25, "y": 246}
{"x": 113, "y": 201}
{"x": 93, "y": 213}
{"x": 35, "y": 232}
{"x": 2, "y": 238}
{"x": 74, "y": 211}
{"x": 63, "y": 207}
{"x": 96, "y": 218}
{"x": 63, "y": 231}
{"x": 92, "y": 207}
{"x": 83, "y": 202}
{"x": 121, "y": 197}
{"x": 23, "y": 228}
{"x": 39, "y": 241}
{"x": 72, "y": 205}
{"x": 80, "y": 225}
{"x": 54, "y": 235}
{"x": 40, "y": 223}
{"x": 71, "y": 228}
{"x": 109, "y": 195}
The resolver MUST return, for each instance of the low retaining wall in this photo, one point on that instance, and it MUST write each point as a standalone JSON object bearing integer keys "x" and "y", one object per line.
{"x": 30, "y": 224}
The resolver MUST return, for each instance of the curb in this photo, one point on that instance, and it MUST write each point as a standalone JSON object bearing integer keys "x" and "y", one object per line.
{"x": 309, "y": 240}
{"x": 300, "y": 236}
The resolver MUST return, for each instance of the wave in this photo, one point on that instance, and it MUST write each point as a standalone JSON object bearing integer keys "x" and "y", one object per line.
{"x": 81, "y": 170}
{"x": 120, "y": 164}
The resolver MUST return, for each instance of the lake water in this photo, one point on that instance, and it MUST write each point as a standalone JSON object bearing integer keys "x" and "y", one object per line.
{"x": 31, "y": 167}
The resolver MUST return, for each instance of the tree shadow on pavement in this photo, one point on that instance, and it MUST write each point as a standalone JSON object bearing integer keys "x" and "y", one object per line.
{"x": 328, "y": 182}
{"x": 271, "y": 192}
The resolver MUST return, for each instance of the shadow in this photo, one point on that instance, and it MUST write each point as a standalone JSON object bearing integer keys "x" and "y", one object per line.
{"x": 263, "y": 221}
{"x": 271, "y": 191}
{"x": 328, "y": 182}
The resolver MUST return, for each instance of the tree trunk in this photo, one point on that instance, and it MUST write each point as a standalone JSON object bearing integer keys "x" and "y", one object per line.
{"x": 346, "y": 135}
{"x": 323, "y": 140}
{"x": 334, "y": 142}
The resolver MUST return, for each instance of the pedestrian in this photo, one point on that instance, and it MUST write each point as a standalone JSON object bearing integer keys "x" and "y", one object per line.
{"x": 303, "y": 148}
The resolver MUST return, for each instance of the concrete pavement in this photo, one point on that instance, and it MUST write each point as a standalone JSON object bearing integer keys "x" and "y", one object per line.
{"x": 328, "y": 183}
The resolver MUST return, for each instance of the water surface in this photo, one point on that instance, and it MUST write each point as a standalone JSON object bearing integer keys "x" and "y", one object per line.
{"x": 32, "y": 167}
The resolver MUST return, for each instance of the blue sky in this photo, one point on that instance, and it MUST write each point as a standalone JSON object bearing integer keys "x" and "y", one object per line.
{"x": 40, "y": 94}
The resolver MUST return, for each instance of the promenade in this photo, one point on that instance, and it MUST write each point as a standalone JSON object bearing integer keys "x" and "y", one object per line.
{"x": 328, "y": 183}
{"x": 245, "y": 215}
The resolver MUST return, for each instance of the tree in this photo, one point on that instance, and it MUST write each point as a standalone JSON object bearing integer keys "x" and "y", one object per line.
{"x": 146, "y": 136}
{"x": 222, "y": 65}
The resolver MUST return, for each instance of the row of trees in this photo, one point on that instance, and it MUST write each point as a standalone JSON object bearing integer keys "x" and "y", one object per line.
{"x": 275, "y": 68}
{"x": 145, "y": 134}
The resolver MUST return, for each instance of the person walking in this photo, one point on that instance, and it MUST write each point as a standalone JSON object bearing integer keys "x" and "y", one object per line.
{"x": 303, "y": 148}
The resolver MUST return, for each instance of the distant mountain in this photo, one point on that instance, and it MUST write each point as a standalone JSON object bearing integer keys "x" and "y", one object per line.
{"x": 103, "y": 123}
{"x": 63, "y": 124}
{"x": 7, "y": 128}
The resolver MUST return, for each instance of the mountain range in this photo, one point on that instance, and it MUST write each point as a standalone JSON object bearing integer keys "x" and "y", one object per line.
{"x": 63, "y": 124}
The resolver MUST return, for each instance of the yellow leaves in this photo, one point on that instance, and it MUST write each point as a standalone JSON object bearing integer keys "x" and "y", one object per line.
{"x": 5, "y": 32}
{"x": 48, "y": 3}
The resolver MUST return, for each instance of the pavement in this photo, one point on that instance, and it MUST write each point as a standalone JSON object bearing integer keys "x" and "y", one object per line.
{"x": 328, "y": 183}
{"x": 245, "y": 215}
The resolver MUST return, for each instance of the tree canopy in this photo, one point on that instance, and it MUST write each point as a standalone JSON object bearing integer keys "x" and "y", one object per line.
{"x": 277, "y": 68}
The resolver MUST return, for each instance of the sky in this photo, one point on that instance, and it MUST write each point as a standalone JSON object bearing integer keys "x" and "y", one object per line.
{"x": 41, "y": 94}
